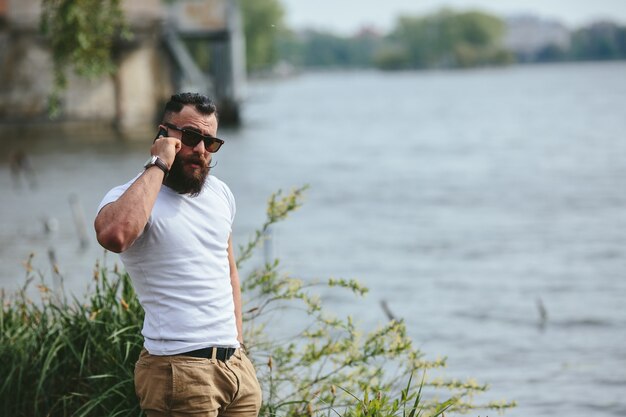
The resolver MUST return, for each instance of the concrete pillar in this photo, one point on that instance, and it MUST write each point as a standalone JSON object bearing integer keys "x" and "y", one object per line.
{"x": 137, "y": 89}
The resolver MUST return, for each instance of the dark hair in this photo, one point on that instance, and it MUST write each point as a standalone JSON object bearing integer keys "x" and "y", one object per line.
{"x": 203, "y": 104}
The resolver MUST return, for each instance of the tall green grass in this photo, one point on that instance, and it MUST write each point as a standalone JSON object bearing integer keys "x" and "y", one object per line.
{"x": 60, "y": 358}
{"x": 71, "y": 359}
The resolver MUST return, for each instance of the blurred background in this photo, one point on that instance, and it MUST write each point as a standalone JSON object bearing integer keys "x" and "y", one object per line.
{"x": 465, "y": 162}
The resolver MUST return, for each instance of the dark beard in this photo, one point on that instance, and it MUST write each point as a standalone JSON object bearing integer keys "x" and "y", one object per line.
{"x": 183, "y": 183}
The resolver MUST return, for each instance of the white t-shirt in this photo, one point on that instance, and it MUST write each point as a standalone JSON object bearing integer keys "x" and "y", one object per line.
{"x": 180, "y": 271}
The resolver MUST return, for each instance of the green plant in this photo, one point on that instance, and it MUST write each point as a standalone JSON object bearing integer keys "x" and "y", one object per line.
{"x": 81, "y": 35}
{"x": 60, "y": 359}
{"x": 409, "y": 404}
{"x": 326, "y": 359}
{"x": 77, "y": 359}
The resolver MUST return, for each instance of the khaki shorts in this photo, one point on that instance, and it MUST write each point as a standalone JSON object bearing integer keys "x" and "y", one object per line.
{"x": 184, "y": 385}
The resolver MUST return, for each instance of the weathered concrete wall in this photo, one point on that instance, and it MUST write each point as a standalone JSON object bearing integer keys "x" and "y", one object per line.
{"x": 25, "y": 77}
{"x": 128, "y": 101}
{"x": 147, "y": 73}
{"x": 87, "y": 99}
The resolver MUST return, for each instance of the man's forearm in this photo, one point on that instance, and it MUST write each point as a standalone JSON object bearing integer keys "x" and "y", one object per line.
{"x": 234, "y": 282}
{"x": 236, "y": 286}
{"x": 238, "y": 313}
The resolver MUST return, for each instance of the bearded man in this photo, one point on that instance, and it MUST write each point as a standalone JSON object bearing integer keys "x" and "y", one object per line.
{"x": 172, "y": 226}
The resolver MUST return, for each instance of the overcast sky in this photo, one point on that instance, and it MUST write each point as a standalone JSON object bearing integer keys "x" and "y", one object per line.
{"x": 346, "y": 16}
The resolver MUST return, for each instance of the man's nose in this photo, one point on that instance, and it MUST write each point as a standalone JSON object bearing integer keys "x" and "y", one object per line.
{"x": 200, "y": 147}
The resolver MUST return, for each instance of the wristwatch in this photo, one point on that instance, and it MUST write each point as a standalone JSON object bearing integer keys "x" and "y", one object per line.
{"x": 156, "y": 161}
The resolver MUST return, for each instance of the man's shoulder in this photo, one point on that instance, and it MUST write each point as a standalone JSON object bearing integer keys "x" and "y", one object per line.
{"x": 114, "y": 193}
{"x": 217, "y": 185}
{"x": 213, "y": 179}
{"x": 126, "y": 184}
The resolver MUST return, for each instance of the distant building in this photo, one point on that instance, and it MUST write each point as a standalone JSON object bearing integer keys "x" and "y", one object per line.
{"x": 527, "y": 35}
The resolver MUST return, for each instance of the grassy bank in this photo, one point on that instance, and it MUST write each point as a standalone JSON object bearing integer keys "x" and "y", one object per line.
{"x": 75, "y": 358}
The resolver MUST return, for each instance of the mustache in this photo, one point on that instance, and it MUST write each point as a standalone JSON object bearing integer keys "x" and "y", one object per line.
{"x": 193, "y": 160}
{"x": 200, "y": 161}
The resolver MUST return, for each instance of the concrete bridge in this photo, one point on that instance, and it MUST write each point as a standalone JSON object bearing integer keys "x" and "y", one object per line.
{"x": 188, "y": 45}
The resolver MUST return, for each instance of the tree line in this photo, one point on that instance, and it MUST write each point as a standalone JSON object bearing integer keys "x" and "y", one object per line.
{"x": 599, "y": 41}
{"x": 80, "y": 34}
{"x": 444, "y": 39}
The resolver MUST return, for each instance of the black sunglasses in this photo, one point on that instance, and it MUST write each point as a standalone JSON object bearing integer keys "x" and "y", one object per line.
{"x": 192, "y": 138}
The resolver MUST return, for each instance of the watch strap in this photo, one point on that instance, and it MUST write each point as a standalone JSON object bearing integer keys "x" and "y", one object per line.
{"x": 158, "y": 162}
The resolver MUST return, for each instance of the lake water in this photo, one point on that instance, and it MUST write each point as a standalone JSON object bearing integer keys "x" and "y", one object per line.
{"x": 464, "y": 199}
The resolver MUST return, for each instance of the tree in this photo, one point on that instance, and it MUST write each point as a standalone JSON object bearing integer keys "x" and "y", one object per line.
{"x": 313, "y": 48}
{"x": 449, "y": 38}
{"x": 263, "y": 22}
{"x": 602, "y": 40}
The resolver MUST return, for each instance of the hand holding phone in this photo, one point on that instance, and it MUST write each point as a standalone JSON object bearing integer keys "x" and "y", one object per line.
{"x": 165, "y": 149}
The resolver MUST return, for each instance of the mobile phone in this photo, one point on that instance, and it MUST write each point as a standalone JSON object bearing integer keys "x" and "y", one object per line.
{"x": 162, "y": 132}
